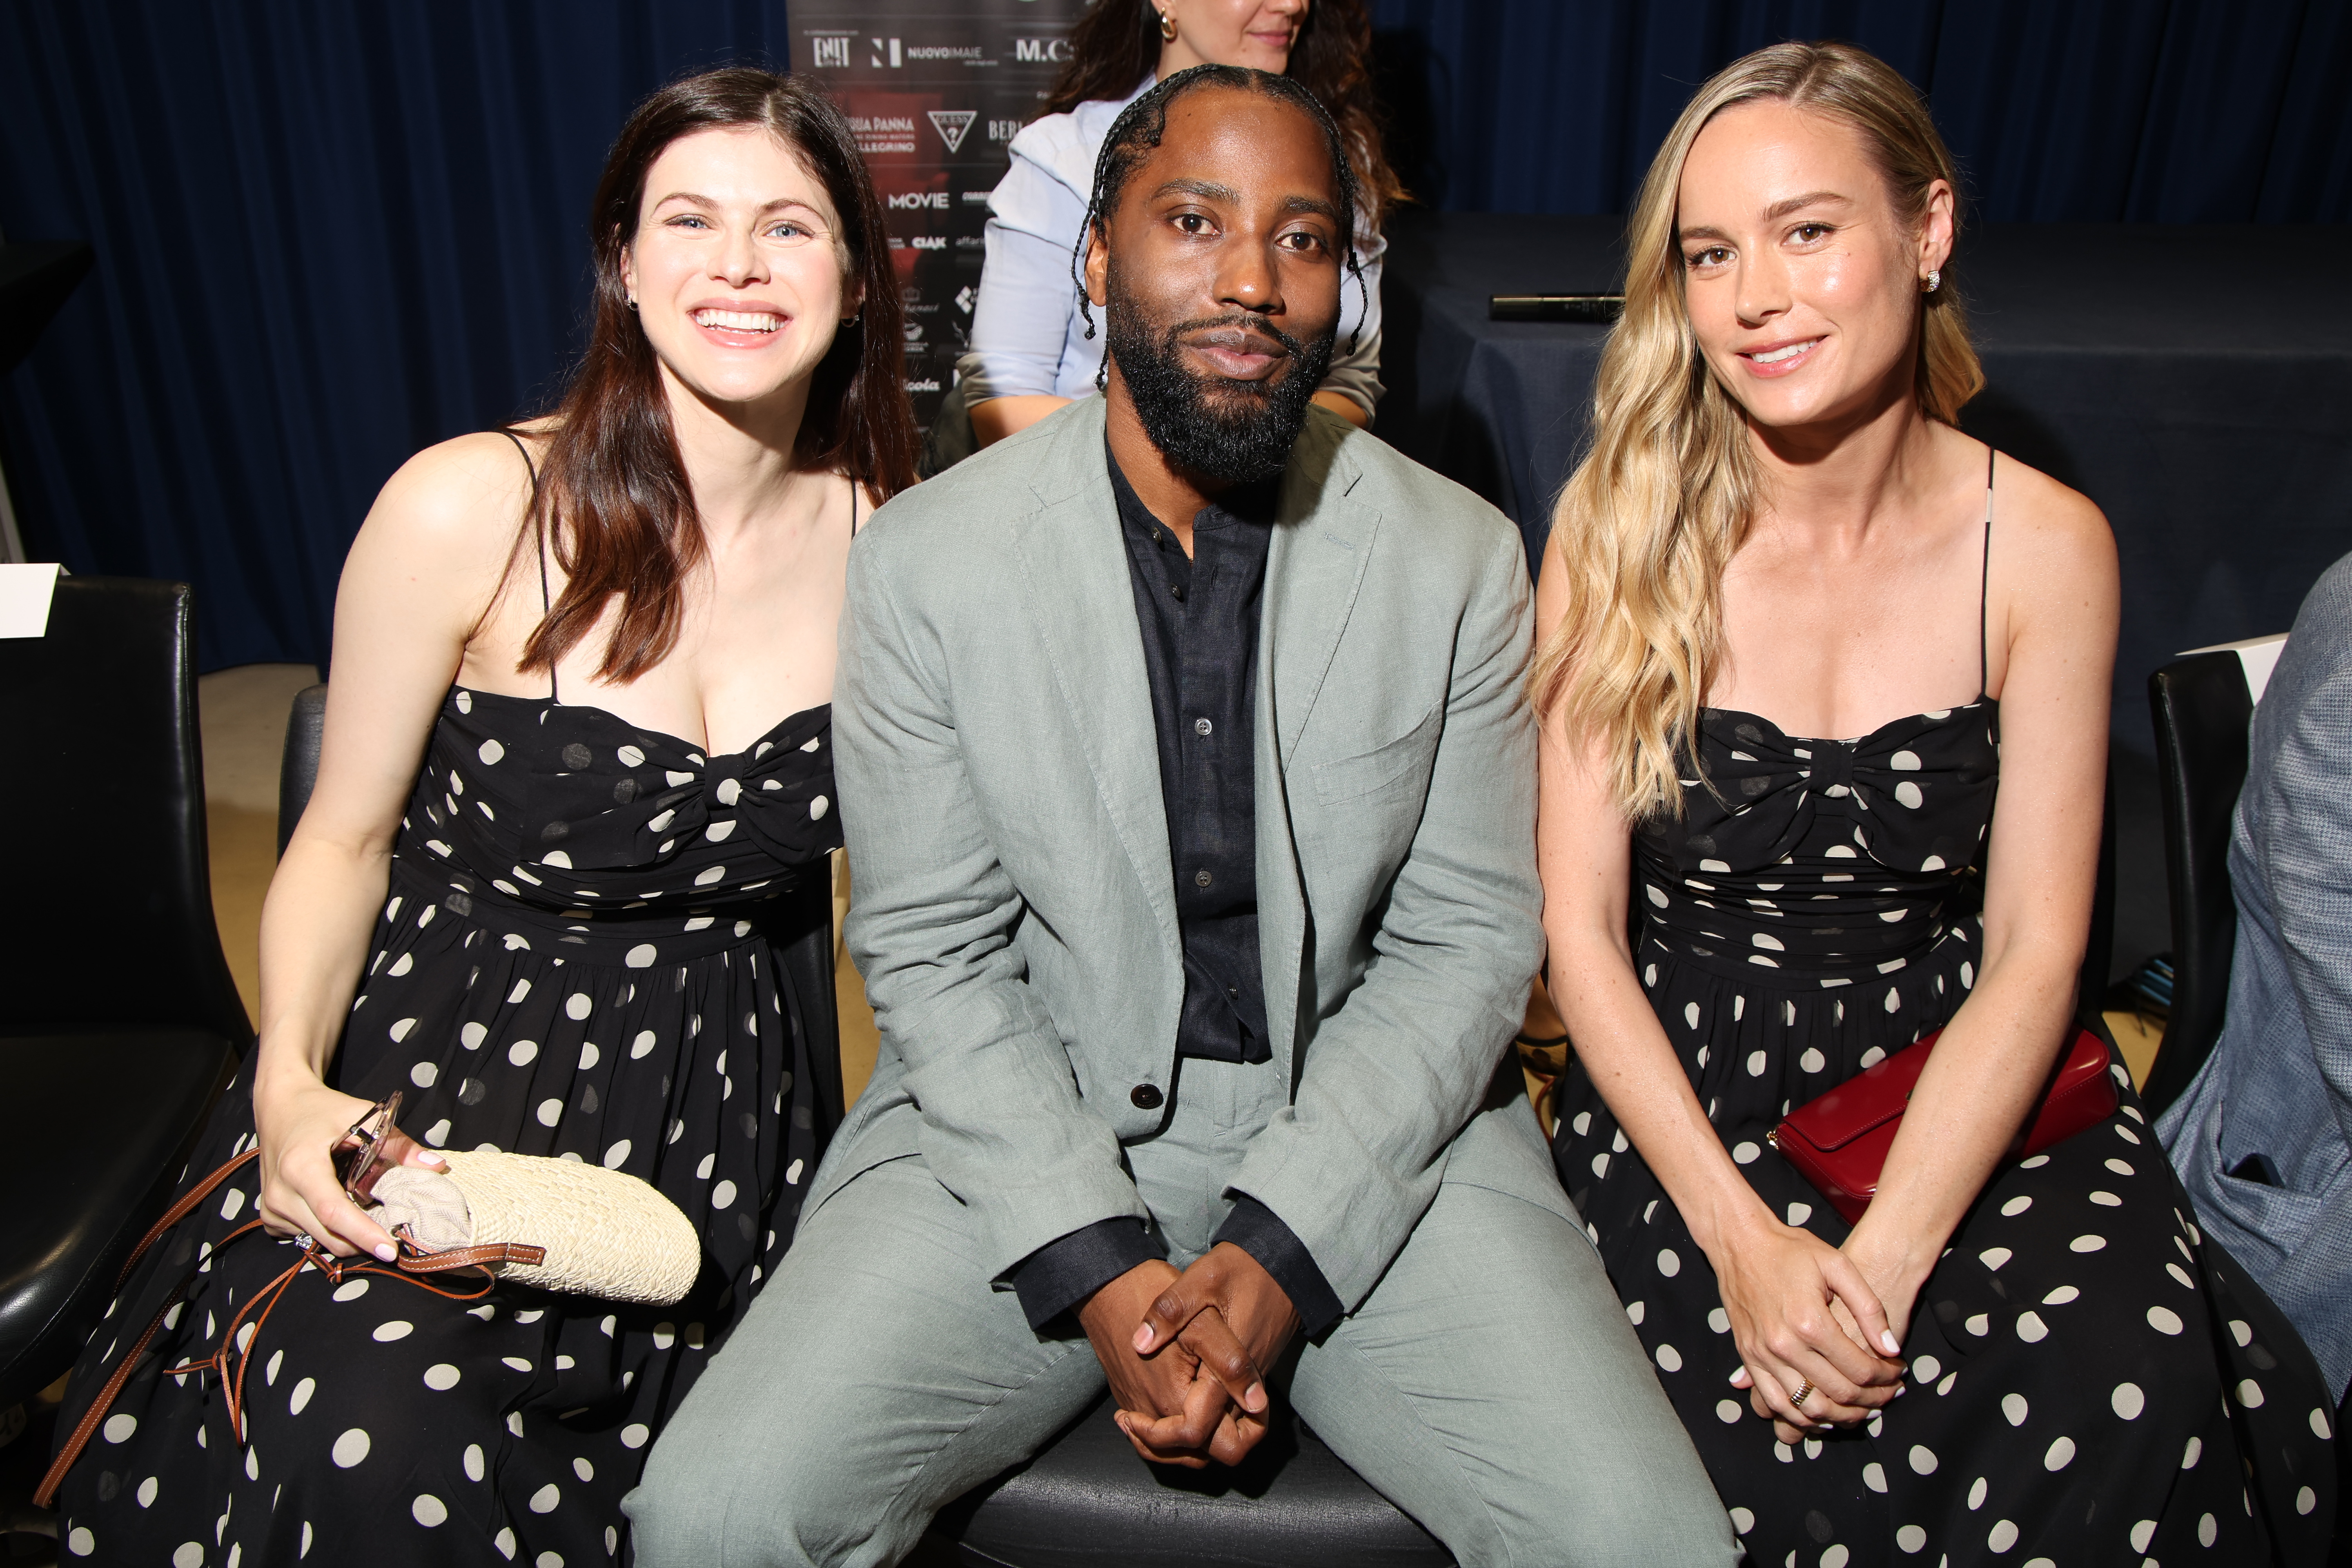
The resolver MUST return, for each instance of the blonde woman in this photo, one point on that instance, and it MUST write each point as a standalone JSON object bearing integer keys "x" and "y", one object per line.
{"x": 1779, "y": 535}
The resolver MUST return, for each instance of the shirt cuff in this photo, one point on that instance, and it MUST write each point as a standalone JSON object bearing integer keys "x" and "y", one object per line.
{"x": 1259, "y": 1231}
{"x": 1061, "y": 1274}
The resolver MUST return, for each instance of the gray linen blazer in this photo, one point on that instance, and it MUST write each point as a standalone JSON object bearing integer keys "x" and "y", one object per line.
{"x": 2279, "y": 1081}
{"x": 1013, "y": 906}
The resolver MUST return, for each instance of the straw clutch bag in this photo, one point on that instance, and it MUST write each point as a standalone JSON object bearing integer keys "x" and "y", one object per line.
{"x": 554, "y": 1225}
{"x": 597, "y": 1232}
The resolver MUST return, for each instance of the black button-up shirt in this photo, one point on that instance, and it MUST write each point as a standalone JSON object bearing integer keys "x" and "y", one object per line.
{"x": 1198, "y": 615}
{"x": 1199, "y": 619}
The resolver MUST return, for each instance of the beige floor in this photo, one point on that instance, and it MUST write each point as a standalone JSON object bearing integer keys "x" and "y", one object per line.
{"x": 243, "y": 713}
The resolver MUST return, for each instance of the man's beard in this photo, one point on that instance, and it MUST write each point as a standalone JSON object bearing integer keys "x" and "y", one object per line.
{"x": 1230, "y": 432}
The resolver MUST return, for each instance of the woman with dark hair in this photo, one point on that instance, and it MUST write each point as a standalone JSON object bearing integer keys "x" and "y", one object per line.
{"x": 1031, "y": 351}
{"x": 561, "y": 884}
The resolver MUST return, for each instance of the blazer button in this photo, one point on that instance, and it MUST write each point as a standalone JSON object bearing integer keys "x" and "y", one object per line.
{"x": 1146, "y": 1096}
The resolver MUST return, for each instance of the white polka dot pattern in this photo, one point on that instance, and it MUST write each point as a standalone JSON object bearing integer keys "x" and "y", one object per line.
{"x": 2072, "y": 1274}
{"x": 541, "y": 985}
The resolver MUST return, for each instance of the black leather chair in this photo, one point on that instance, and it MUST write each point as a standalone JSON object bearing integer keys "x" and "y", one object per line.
{"x": 1088, "y": 1501}
{"x": 298, "y": 770}
{"x": 2099, "y": 949}
{"x": 118, "y": 1019}
{"x": 2201, "y": 707}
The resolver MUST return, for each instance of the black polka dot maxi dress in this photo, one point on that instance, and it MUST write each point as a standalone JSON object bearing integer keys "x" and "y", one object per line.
{"x": 599, "y": 944}
{"x": 2089, "y": 1377}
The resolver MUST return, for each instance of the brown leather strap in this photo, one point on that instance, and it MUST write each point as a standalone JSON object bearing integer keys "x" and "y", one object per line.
{"x": 474, "y": 1257}
{"x": 178, "y": 1211}
{"x": 48, "y": 1490}
{"x": 260, "y": 1304}
{"x": 107, "y": 1395}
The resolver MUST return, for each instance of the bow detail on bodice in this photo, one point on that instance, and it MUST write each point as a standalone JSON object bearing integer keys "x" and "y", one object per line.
{"x": 1837, "y": 853}
{"x": 558, "y": 804}
{"x": 1915, "y": 794}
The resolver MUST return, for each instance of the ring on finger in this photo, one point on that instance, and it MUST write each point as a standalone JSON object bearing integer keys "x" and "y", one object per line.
{"x": 1804, "y": 1392}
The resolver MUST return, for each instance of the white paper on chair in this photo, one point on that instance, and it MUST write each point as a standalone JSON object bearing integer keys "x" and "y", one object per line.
{"x": 2256, "y": 656}
{"x": 25, "y": 593}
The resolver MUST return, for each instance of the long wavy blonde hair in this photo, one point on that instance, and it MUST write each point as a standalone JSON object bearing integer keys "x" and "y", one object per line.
{"x": 1664, "y": 497}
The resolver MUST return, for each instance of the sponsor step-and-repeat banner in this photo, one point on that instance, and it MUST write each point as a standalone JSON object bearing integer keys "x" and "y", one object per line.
{"x": 935, "y": 94}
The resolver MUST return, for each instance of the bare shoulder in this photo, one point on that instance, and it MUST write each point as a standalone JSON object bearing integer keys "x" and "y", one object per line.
{"x": 2050, "y": 544}
{"x": 458, "y": 503}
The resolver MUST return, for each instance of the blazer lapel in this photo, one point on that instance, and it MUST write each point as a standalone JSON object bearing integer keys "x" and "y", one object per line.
{"x": 1083, "y": 601}
{"x": 1322, "y": 541}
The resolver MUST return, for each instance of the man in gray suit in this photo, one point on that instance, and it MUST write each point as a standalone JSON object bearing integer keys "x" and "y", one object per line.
{"x": 1190, "y": 787}
{"x": 2263, "y": 1138}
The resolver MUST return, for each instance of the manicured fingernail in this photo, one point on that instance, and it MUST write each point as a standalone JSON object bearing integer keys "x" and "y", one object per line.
{"x": 1736, "y": 1376}
{"x": 1143, "y": 1339}
{"x": 1894, "y": 1346}
{"x": 387, "y": 1252}
{"x": 434, "y": 1160}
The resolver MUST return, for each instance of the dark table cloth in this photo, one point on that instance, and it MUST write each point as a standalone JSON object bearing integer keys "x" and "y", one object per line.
{"x": 2195, "y": 382}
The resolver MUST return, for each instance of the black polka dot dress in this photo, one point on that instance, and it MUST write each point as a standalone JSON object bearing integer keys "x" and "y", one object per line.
{"x": 601, "y": 945}
{"x": 2091, "y": 1382}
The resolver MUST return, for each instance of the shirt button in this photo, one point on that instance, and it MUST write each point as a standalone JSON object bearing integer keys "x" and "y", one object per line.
{"x": 1177, "y": 589}
{"x": 1202, "y": 726}
{"x": 1145, "y": 1096}
{"x": 1202, "y": 879}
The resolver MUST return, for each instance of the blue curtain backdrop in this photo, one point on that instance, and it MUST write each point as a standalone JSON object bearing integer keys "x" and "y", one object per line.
{"x": 330, "y": 232}
{"x": 2058, "y": 110}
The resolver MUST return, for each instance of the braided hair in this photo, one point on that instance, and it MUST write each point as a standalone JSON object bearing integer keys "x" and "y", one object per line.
{"x": 1136, "y": 132}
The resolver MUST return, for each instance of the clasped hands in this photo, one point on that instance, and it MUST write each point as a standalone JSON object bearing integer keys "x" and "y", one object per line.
{"x": 1815, "y": 1320}
{"x": 1185, "y": 1354}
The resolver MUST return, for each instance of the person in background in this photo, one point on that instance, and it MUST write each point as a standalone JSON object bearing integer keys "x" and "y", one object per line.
{"x": 1031, "y": 349}
{"x": 1781, "y": 538}
{"x": 2264, "y": 1136}
{"x": 562, "y": 884}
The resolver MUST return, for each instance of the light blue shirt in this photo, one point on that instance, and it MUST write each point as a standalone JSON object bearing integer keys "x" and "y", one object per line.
{"x": 2279, "y": 1082}
{"x": 1027, "y": 337}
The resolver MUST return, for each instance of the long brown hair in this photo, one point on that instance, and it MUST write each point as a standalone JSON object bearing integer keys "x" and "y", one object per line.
{"x": 614, "y": 500}
{"x": 1653, "y": 516}
{"x": 1117, "y": 44}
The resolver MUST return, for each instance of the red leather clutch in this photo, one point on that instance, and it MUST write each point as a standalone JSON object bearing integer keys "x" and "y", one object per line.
{"x": 1839, "y": 1141}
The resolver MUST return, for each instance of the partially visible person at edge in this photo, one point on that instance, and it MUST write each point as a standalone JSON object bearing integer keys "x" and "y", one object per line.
{"x": 1032, "y": 351}
{"x": 562, "y": 884}
{"x": 1781, "y": 535}
{"x": 1192, "y": 793}
{"x": 2261, "y": 1134}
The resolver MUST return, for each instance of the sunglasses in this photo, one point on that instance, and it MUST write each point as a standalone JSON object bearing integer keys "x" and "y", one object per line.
{"x": 365, "y": 1151}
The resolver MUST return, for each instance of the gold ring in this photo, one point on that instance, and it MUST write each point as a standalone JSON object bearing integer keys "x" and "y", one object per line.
{"x": 1804, "y": 1392}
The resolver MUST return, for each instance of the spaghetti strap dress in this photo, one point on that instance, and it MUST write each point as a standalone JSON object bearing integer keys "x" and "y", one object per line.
{"x": 2090, "y": 1379}
{"x": 600, "y": 943}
